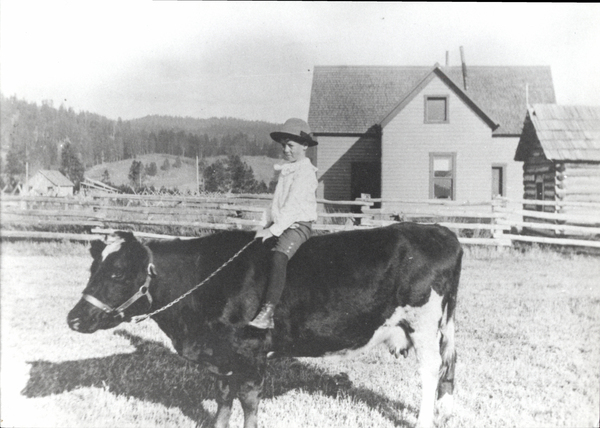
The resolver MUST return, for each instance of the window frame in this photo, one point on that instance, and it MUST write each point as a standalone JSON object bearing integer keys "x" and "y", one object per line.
{"x": 503, "y": 167}
{"x": 447, "y": 100}
{"x": 432, "y": 157}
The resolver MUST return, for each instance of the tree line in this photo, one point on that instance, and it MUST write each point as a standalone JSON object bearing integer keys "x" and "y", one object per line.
{"x": 38, "y": 134}
{"x": 229, "y": 175}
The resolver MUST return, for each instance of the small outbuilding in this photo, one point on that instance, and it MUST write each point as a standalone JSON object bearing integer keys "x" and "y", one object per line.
{"x": 50, "y": 183}
{"x": 560, "y": 151}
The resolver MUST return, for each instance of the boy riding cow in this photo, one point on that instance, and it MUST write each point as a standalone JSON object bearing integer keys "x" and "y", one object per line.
{"x": 293, "y": 210}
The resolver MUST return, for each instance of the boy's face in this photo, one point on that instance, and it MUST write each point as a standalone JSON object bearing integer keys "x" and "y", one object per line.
{"x": 293, "y": 151}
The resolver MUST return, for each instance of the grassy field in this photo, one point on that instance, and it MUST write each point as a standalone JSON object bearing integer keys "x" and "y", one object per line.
{"x": 528, "y": 330}
{"x": 182, "y": 178}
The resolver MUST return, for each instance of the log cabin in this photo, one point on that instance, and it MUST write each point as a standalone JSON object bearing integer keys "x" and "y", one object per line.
{"x": 560, "y": 151}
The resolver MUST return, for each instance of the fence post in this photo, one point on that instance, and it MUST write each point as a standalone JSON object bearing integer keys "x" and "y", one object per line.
{"x": 499, "y": 206}
{"x": 364, "y": 208}
{"x": 496, "y": 231}
{"x": 263, "y": 218}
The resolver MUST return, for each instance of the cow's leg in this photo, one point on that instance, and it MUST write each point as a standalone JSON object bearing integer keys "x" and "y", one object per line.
{"x": 445, "y": 389}
{"x": 226, "y": 391}
{"x": 426, "y": 342}
{"x": 429, "y": 366}
{"x": 249, "y": 396}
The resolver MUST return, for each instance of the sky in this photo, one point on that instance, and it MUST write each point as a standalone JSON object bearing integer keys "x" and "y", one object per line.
{"x": 254, "y": 60}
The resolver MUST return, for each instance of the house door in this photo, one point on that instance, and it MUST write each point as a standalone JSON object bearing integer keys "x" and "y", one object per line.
{"x": 365, "y": 177}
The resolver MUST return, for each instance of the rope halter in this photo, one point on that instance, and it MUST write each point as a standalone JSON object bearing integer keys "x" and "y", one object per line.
{"x": 120, "y": 311}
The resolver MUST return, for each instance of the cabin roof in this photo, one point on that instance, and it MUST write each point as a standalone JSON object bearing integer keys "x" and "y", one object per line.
{"x": 56, "y": 177}
{"x": 564, "y": 132}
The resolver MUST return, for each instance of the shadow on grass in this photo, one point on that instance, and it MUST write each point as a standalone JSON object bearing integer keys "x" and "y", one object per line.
{"x": 153, "y": 373}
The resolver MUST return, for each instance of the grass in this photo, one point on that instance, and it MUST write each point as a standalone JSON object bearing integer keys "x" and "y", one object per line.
{"x": 528, "y": 324}
{"x": 183, "y": 178}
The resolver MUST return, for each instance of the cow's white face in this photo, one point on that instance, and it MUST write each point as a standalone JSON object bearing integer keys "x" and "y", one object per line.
{"x": 113, "y": 245}
{"x": 119, "y": 269}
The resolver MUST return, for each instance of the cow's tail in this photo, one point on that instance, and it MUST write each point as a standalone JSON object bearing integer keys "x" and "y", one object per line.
{"x": 447, "y": 345}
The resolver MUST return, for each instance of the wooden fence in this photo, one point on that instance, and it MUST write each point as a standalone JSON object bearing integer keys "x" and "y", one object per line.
{"x": 498, "y": 222}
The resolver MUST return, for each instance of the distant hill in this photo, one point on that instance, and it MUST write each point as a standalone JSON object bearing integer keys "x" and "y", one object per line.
{"x": 183, "y": 178}
{"x": 212, "y": 127}
{"x": 35, "y": 134}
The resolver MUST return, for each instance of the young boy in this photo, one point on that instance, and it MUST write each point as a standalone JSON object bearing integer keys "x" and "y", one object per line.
{"x": 293, "y": 210}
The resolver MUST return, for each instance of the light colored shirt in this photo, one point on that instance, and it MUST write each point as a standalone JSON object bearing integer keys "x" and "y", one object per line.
{"x": 295, "y": 195}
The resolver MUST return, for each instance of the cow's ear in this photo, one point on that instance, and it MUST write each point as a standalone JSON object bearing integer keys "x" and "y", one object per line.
{"x": 96, "y": 249}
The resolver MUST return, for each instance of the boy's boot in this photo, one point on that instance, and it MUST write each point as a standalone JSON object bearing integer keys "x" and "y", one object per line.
{"x": 264, "y": 319}
{"x": 277, "y": 273}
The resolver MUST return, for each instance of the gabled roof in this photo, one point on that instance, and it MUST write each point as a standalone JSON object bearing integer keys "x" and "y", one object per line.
{"x": 351, "y": 99}
{"x": 56, "y": 177}
{"x": 436, "y": 71}
{"x": 564, "y": 132}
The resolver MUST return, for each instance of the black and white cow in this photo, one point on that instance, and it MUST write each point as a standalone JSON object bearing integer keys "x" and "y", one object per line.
{"x": 346, "y": 292}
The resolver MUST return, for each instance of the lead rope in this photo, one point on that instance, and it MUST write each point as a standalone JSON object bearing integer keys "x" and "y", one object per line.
{"x": 140, "y": 318}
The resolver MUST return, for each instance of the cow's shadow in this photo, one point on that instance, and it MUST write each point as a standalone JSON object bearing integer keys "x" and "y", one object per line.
{"x": 155, "y": 374}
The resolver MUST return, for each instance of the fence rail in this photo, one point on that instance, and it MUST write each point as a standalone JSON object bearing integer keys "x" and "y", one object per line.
{"x": 497, "y": 222}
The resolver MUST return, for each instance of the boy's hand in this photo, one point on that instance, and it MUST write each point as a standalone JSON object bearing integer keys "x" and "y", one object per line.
{"x": 264, "y": 234}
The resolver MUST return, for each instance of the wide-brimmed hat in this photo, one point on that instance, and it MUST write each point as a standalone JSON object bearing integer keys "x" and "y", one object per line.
{"x": 296, "y": 130}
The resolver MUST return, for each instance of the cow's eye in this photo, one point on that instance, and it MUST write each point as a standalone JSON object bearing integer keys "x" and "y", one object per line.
{"x": 118, "y": 275}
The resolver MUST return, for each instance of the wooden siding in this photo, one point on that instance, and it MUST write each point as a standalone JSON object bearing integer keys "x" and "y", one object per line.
{"x": 502, "y": 151}
{"x": 407, "y": 141}
{"x": 334, "y": 159}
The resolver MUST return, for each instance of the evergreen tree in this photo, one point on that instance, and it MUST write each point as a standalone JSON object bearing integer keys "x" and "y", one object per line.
{"x": 261, "y": 188}
{"x": 136, "y": 173}
{"x": 70, "y": 165}
{"x": 151, "y": 169}
{"x": 105, "y": 177}
{"x": 217, "y": 178}
{"x": 274, "y": 150}
{"x": 42, "y": 128}
{"x": 242, "y": 176}
{"x": 166, "y": 165}
{"x": 273, "y": 183}
{"x": 15, "y": 161}
{"x": 233, "y": 175}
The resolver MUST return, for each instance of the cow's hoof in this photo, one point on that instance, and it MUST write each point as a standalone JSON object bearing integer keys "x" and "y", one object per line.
{"x": 445, "y": 406}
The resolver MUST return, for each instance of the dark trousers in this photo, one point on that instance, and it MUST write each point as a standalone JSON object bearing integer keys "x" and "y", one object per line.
{"x": 277, "y": 274}
{"x": 286, "y": 246}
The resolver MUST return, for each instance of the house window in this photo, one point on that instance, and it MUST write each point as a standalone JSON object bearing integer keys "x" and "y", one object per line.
{"x": 498, "y": 180}
{"x": 436, "y": 109}
{"x": 442, "y": 175}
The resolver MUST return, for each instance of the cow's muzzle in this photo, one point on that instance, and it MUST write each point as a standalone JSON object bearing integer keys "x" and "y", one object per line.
{"x": 107, "y": 314}
{"x": 84, "y": 318}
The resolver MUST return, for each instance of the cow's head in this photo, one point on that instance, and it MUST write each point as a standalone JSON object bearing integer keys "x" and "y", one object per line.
{"x": 118, "y": 287}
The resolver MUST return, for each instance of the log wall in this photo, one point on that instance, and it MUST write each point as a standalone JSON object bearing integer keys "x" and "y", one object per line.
{"x": 539, "y": 169}
{"x": 563, "y": 181}
{"x": 577, "y": 182}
